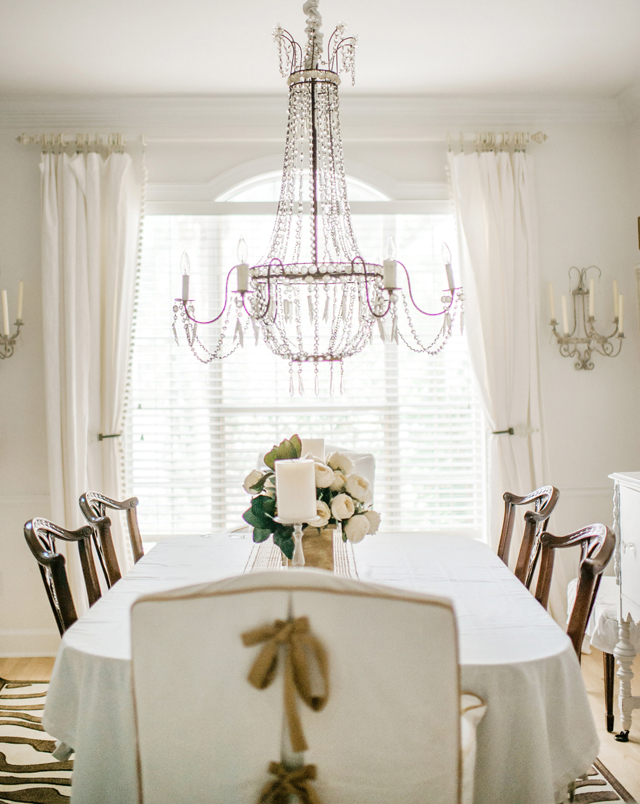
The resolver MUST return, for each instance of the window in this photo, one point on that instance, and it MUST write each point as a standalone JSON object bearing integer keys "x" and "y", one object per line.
{"x": 195, "y": 430}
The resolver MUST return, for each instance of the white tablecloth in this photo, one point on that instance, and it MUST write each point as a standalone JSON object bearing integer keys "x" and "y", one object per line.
{"x": 538, "y": 733}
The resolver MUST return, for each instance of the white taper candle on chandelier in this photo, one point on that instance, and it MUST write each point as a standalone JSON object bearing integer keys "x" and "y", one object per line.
{"x": 592, "y": 293}
{"x": 296, "y": 490}
{"x": 615, "y": 298}
{"x": 20, "y": 299}
{"x": 242, "y": 273}
{"x": 446, "y": 257}
{"x": 620, "y": 314}
{"x": 5, "y": 313}
{"x": 552, "y": 303}
{"x": 313, "y": 447}
{"x": 185, "y": 265}
{"x": 389, "y": 266}
{"x": 565, "y": 316}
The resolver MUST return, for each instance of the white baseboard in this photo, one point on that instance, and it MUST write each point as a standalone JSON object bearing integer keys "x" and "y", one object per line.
{"x": 29, "y": 642}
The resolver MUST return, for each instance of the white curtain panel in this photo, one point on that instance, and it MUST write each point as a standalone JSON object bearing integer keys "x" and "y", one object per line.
{"x": 90, "y": 215}
{"x": 495, "y": 204}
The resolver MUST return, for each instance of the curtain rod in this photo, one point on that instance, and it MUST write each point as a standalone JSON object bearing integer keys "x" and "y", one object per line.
{"x": 488, "y": 139}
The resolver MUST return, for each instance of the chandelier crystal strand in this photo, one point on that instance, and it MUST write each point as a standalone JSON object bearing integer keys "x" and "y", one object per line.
{"x": 313, "y": 295}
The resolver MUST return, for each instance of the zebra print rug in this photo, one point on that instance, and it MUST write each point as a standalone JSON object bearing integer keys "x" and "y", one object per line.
{"x": 28, "y": 772}
{"x": 30, "y": 775}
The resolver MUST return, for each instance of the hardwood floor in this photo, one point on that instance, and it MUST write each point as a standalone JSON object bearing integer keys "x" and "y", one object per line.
{"x": 38, "y": 669}
{"x": 623, "y": 759}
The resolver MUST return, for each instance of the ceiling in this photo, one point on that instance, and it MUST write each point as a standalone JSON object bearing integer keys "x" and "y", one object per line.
{"x": 458, "y": 47}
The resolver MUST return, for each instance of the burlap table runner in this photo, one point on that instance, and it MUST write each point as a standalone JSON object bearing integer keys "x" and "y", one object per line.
{"x": 268, "y": 556}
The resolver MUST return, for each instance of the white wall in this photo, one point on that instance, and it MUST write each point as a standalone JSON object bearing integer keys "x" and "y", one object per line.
{"x": 589, "y": 198}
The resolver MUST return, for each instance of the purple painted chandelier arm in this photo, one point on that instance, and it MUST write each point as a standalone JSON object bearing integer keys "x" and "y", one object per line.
{"x": 218, "y": 317}
{"x": 419, "y": 309}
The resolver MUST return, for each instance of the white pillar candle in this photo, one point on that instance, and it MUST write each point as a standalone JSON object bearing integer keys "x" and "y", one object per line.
{"x": 591, "y": 298}
{"x": 5, "y": 313}
{"x": 615, "y": 298}
{"x": 621, "y": 315}
{"x": 296, "y": 490}
{"x": 552, "y": 303}
{"x": 313, "y": 447}
{"x": 20, "y": 299}
{"x": 565, "y": 317}
{"x": 242, "y": 272}
{"x": 389, "y": 274}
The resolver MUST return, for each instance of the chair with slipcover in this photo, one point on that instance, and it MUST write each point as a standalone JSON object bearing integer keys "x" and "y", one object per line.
{"x": 382, "y": 720}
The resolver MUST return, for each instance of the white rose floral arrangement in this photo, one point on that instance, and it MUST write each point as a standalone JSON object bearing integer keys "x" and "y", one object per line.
{"x": 343, "y": 498}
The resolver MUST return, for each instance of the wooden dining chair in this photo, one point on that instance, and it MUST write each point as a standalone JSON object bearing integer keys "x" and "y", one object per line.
{"x": 94, "y": 507}
{"x": 597, "y": 543}
{"x": 41, "y": 535}
{"x": 544, "y": 501}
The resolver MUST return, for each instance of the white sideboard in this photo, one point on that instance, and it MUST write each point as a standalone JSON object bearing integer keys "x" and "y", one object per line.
{"x": 626, "y": 524}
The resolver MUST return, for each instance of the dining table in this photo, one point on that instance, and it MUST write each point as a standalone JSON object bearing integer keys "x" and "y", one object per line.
{"x": 538, "y": 733}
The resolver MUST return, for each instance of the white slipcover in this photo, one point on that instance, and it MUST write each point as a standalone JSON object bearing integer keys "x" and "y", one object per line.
{"x": 389, "y": 731}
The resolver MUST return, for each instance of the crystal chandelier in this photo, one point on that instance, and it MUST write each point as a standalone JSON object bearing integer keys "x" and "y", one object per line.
{"x": 314, "y": 297}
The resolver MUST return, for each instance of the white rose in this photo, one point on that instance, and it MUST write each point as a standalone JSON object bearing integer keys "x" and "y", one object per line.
{"x": 324, "y": 514}
{"x": 357, "y": 528}
{"x": 357, "y": 486}
{"x": 340, "y": 463}
{"x": 368, "y": 497}
{"x": 374, "y": 520}
{"x": 251, "y": 479}
{"x": 338, "y": 482}
{"x": 342, "y": 507}
{"x": 324, "y": 476}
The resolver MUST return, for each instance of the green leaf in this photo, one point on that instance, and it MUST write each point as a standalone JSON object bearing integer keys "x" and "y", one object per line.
{"x": 286, "y": 450}
{"x": 264, "y": 505}
{"x": 261, "y": 534}
{"x": 257, "y": 521}
{"x": 259, "y": 486}
{"x": 285, "y": 543}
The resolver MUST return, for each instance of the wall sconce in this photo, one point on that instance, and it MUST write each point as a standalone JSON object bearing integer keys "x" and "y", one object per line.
{"x": 581, "y": 343}
{"x": 7, "y": 339}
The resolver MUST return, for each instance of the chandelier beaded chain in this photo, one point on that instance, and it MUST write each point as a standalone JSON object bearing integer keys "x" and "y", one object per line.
{"x": 313, "y": 297}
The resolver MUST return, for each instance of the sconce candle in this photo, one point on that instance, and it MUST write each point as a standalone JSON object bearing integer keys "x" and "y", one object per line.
{"x": 5, "y": 314}
{"x": 585, "y": 339}
{"x": 620, "y": 315}
{"x": 565, "y": 317}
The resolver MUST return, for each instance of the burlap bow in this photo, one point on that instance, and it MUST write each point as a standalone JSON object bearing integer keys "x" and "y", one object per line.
{"x": 289, "y": 783}
{"x": 295, "y": 634}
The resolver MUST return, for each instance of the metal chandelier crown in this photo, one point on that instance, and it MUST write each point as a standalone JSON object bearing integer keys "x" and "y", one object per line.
{"x": 314, "y": 297}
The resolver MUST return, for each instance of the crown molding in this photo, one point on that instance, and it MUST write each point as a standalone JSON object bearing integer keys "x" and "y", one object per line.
{"x": 364, "y": 117}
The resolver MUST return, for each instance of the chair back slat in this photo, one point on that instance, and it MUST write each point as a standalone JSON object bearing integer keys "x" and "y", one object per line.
{"x": 40, "y": 535}
{"x": 94, "y": 507}
{"x": 544, "y": 501}
{"x": 597, "y": 543}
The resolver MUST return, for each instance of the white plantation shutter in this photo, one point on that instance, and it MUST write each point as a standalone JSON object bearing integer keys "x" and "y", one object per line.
{"x": 196, "y": 430}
